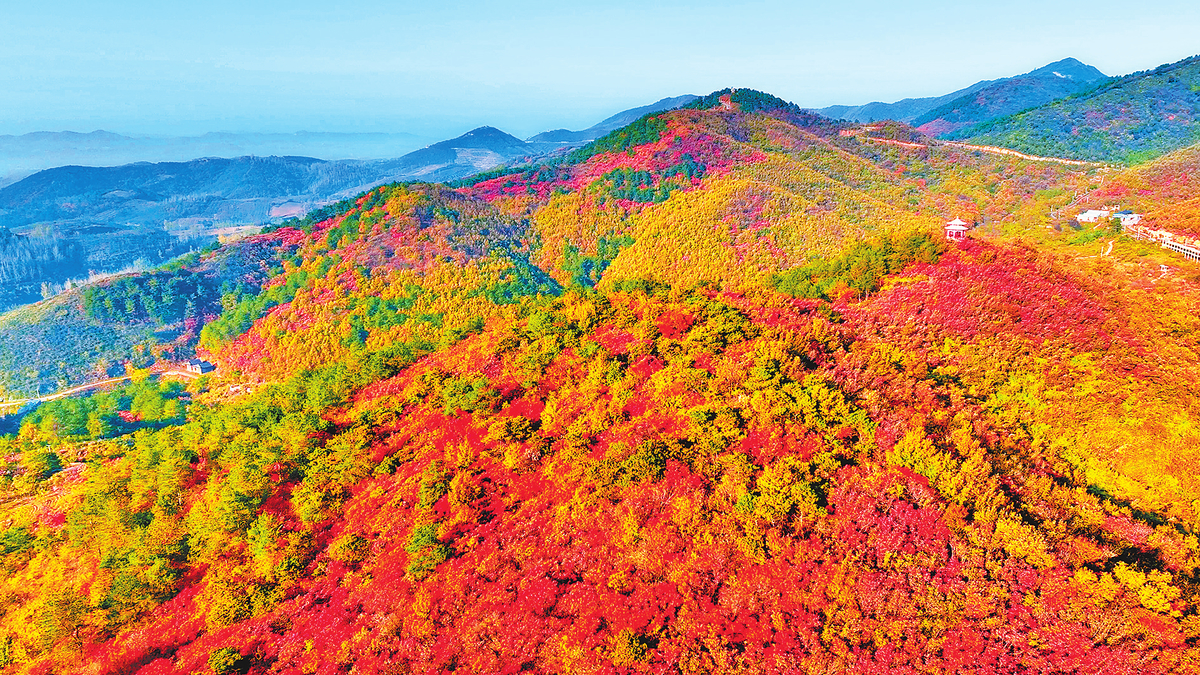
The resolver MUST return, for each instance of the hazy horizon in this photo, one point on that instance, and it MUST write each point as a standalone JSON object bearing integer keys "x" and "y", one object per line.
{"x": 147, "y": 69}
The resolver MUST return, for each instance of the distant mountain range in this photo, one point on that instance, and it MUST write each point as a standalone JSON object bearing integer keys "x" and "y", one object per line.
{"x": 1127, "y": 119}
{"x": 23, "y": 155}
{"x": 255, "y": 189}
{"x": 981, "y": 101}
{"x": 1010, "y": 95}
{"x": 239, "y": 190}
{"x": 564, "y": 137}
{"x": 74, "y": 221}
{"x": 1065, "y": 108}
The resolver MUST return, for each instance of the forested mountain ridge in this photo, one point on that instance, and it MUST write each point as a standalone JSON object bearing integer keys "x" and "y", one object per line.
{"x": 1011, "y": 95}
{"x": 129, "y": 320}
{"x": 75, "y": 223}
{"x": 1128, "y": 119}
{"x": 258, "y": 189}
{"x": 987, "y": 98}
{"x": 755, "y": 192}
{"x": 709, "y": 394}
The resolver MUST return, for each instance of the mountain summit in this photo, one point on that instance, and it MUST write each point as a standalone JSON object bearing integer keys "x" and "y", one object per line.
{"x": 1126, "y": 119}
{"x": 1069, "y": 68}
{"x": 1004, "y": 97}
{"x": 991, "y": 97}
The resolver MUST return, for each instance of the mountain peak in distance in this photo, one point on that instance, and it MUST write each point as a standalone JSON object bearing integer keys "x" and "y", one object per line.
{"x": 1054, "y": 80}
{"x": 1069, "y": 68}
{"x": 1010, "y": 95}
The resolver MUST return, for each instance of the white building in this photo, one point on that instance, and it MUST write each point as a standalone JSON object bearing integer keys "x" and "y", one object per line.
{"x": 200, "y": 367}
{"x": 1128, "y": 217}
{"x": 1189, "y": 252}
{"x": 1187, "y": 246}
{"x": 1092, "y": 215}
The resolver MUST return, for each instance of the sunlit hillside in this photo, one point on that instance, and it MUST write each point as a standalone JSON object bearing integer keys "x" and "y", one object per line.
{"x": 712, "y": 394}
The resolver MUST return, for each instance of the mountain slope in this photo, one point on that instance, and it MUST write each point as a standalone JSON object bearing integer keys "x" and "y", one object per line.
{"x": 1165, "y": 190}
{"x": 700, "y": 195}
{"x": 1004, "y": 97}
{"x": 987, "y": 98}
{"x": 620, "y": 482}
{"x": 709, "y": 394}
{"x": 474, "y": 151}
{"x": 242, "y": 190}
{"x": 1128, "y": 119}
{"x": 92, "y": 221}
{"x": 905, "y": 110}
{"x": 96, "y": 330}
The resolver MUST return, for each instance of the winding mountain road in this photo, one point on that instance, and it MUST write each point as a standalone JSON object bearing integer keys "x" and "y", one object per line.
{"x": 21, "y": 402}
{"x": 991, "y": 149}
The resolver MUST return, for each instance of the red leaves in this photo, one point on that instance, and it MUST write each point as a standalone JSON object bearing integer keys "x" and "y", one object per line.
{"x": 976, "y": 292}
{"x": 646, "y": 366}
{"x": 674, "y": 324}
{"x": 613, "y": 340}
{"x": 610, "y": 514}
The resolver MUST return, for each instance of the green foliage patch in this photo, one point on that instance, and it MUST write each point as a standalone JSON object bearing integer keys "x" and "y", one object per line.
{"x": 859, "y": 270}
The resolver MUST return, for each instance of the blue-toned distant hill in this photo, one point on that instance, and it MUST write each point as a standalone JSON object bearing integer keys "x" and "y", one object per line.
{"x": 991, "y": 97}
{"x": 241, "y": 190}
{"x": 1004, "y": 97}
{"x": 24, "y": 155}
{"x": 1127, "y": 119}
{"x": 477, "y": 150}
{"x": 565, "y": 138}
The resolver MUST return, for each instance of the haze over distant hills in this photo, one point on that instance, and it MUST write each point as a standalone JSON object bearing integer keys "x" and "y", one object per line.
{"x": 74, "y": 221}
{"x": 244, "y": 189}
{"x": 980, "y": 101}
{"x": 565, "y": 137}
{"x": 23, "y": 155}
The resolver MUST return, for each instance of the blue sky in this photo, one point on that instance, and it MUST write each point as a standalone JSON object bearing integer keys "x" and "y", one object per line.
{"x": 441, "y": 68}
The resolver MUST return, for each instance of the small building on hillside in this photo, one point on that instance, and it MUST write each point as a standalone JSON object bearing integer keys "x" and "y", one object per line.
{"x": 956, "y": 230}
{"x": 1093, "y": 215}
{"x": 200, "y": 367}
{"x": 1128, "y": 218}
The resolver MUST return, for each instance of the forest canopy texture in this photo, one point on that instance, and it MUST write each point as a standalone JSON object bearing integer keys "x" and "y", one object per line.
{"x": 712, "y": 394}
